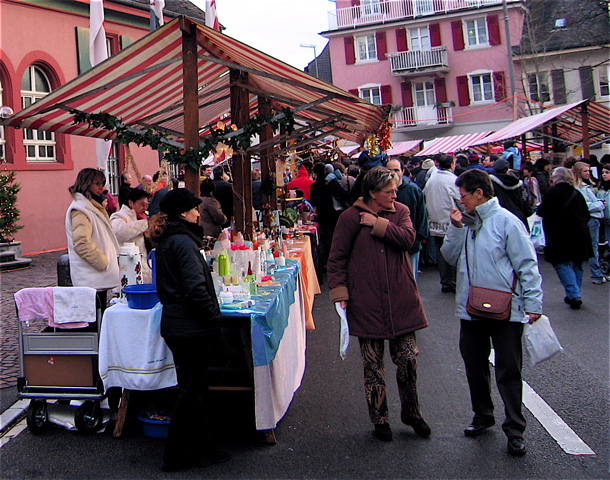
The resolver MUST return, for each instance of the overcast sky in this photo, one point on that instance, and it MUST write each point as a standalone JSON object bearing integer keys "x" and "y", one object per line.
{"x": 276, "y": 27}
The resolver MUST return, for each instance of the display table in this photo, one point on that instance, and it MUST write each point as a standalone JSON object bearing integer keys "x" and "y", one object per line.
{"x": 134, "y": 356}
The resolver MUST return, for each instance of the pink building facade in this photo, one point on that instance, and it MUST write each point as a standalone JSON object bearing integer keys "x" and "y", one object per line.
{"x": 33, "y": 62}
{"x": 443, "y": 65}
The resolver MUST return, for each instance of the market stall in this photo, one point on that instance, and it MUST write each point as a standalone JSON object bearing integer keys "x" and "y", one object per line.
{"x": 133, "y": 356}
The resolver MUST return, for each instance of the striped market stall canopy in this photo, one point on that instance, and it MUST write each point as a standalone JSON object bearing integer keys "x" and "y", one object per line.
{"x": 573, "y": 123}
{"x": 410, "y": 147}
{"x": 144, "y": 86}
{"x": 453, "y": 143}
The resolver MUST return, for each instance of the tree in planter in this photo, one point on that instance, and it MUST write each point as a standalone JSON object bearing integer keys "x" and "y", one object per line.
{"x": 9, "y": 214}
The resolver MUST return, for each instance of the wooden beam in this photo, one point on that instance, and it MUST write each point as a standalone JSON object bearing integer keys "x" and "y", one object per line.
{"x": 191, "y": 104}
{"x": 267, "y": 158}
{"x": 585, "y": 129}
{"x": 242, "y": 170}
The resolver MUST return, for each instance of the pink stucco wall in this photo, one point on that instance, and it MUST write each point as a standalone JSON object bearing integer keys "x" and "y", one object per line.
{"x": 26, "y": 39}
{"x": 462, "y": 62}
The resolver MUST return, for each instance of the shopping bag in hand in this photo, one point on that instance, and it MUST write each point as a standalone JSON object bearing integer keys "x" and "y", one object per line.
{"x": 540, "y": 341}
{"x": 344, "y": 338}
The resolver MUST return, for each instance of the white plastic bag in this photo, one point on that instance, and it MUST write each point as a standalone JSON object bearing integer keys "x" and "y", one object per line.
{"x": 540, "y": 341}
{"x": 536, "y": 232}
{"x": 344, "y": 338}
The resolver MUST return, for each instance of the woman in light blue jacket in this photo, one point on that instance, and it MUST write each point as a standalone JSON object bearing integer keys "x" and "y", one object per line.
{"x": 491, "y": 248}
{"x": 582, "y": 174}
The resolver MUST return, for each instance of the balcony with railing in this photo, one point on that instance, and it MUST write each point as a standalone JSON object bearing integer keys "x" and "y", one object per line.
{"x": 422, "y": 116}
{"x": 392, "y": 10}
{"x": 414, "y": 62}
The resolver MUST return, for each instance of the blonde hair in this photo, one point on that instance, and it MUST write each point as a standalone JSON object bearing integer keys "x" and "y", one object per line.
{"x": 376, "y": 179}
{"x": 577, "y": 169}
{"x": 84, "y": 179}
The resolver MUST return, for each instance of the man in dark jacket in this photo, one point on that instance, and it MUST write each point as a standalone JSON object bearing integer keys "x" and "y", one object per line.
{"x": 510, "y": 192}
{"x": 411, "y": 196}
{"x": 223, "y": 192}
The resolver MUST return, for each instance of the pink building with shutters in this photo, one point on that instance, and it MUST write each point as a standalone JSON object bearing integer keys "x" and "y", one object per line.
{"x": 443, "y": 65}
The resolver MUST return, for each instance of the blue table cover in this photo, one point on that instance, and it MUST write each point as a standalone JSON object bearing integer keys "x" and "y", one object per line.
{"x": 269, "y": 314}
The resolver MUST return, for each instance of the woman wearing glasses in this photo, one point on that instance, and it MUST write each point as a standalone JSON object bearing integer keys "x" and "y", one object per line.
{"x": 369, "y": 274}
{"x": 92, "y": 246}
{"x": 128, "y": 227}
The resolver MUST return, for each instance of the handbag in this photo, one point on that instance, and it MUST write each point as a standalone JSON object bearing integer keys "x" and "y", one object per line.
{"x": 487, "y": 303}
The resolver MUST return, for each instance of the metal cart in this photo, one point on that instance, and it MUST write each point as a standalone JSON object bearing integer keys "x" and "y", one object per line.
{"x": 61, "y": 364}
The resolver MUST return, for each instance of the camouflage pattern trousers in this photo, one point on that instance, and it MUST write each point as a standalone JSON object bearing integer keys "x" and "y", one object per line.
{"x": 403, "y": 351}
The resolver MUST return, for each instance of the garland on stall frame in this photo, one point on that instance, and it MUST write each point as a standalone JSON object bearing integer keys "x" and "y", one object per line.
{"x": 220, "y": 133}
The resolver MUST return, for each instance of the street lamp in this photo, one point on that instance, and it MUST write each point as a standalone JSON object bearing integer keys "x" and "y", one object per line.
{"x": 315, "y": 56}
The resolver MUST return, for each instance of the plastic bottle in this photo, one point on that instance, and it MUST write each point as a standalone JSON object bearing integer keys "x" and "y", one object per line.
{"x": 280, "y": 261}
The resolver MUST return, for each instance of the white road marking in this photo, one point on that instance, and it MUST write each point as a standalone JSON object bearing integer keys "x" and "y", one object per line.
{"x": 565, "y": 437}
{"x": 557, "y": 428}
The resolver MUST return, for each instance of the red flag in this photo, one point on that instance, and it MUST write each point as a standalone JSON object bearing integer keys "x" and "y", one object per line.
{"x": 211, "y": 19}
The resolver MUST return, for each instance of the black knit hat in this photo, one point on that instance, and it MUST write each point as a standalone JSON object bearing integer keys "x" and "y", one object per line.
{"x": 178, "y": 201}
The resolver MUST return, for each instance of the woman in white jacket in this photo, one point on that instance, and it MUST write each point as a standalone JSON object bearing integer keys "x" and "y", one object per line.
{"x": 130, "y": 223}
{"x": 92, "y": 246}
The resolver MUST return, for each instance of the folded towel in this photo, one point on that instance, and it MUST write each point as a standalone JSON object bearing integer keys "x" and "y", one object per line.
{"x": 34, "y": 303}
{"x": 73, "y": 304}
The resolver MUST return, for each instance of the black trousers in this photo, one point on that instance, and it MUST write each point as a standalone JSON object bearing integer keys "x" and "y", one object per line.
{"x": 189, "y": 431}
{"x": 476, "y": 338}
{"x": 447, "y": 272}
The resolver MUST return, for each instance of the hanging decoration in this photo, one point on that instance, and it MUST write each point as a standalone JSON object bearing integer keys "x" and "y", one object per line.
{"x": 222, "y": 134}
{"x": 372, "y": 145}
{"x": 384, "y": 136}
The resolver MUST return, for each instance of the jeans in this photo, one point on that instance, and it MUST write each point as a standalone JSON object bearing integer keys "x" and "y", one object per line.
{"x": 570, "y": 275}
{"x": 596, "y": 272}
{"x": 414, "y": 258}
{"x": 447, "y": 272}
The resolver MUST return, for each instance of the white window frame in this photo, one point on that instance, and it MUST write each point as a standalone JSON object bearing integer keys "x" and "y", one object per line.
{"x": 603, "y": 80}
{"x": 370, "y": 7}
{"x": 366, "y": 42}
{"x": 476, "y": 90}
{"x": 478, "y": 40}
{"x": 113, "y": 169}
{"x": 40, "y": 146}
{"x": 538, "y": 86}
{"x": 370, "y": 93}
{"x": 416, "y": 34}
{"x": 425, "y": 88}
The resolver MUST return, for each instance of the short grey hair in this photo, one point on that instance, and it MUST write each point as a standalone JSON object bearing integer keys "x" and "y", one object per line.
{"x": 562, "y": 175}
{"x": 377, "y": 179}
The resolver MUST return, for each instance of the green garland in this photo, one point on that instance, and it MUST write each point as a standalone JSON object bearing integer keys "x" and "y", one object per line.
{"x": 191, "y": 157}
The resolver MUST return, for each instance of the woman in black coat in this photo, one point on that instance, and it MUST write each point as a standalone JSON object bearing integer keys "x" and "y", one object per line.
{"x": 565, "y": 216}
{"x": 189, "y": 324}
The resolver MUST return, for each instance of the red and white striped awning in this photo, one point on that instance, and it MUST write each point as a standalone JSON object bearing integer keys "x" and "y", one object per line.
{"x": 568, "y": 120}
{"x": 453, "y": 143}
{"x": 404, "y": 148}
{"x": 143, "y": 86}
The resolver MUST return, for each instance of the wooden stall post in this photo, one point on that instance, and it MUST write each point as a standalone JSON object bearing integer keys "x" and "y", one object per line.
{"x": 242, "y": 170}
{"x": 266, "y": 155}
{"x": 584, "y": 119}
{"x": 189, "y": 95}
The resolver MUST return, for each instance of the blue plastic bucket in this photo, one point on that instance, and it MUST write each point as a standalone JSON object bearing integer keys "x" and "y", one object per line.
{"x": 142, "y": 296}
{"x": 154, "y": 428}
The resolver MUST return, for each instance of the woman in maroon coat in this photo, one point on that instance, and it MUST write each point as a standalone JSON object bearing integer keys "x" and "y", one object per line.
{"x": 370, "y": 275}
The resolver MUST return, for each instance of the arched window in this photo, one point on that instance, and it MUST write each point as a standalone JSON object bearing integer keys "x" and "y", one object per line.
{"x": 39, "y": 145}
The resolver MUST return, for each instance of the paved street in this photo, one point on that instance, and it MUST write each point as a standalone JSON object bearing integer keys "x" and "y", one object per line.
{"x": 326, "y": 433}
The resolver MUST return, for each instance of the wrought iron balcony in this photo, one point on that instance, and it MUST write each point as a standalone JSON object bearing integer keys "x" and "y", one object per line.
{"x": 413, "y": 61}
{"x": 422, "y": 116}
{"x": 391, "y": 10}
